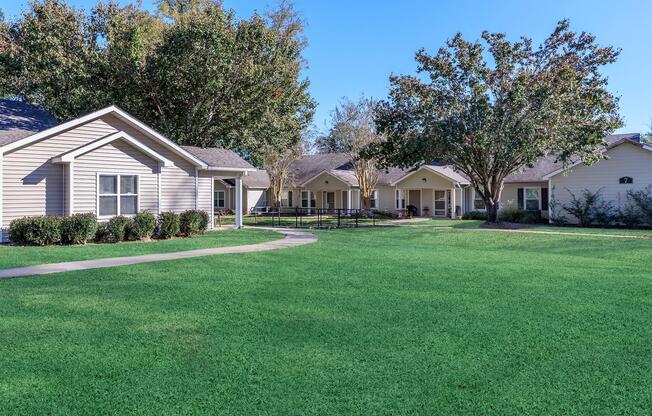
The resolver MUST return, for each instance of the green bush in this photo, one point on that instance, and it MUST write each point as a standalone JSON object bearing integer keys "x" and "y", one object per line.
{"x": 113, "y": 231}
{"x": 78, "y": 228}
{"x": 142, "y": 226}
{"x": 520, "y": 216}
{"x": 35, "y": 231}
{"x": 168, "y": 225}
{"x": 193, "y": 222}
{"x": 475, "y": 215}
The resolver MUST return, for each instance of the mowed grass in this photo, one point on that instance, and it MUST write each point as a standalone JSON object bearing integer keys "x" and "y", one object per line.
{"x": 14, "y": 256}
{"x": 411, "y": 320}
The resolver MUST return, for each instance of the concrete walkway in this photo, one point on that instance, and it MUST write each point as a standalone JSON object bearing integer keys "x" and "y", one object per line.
{"x": 293, "y": 238}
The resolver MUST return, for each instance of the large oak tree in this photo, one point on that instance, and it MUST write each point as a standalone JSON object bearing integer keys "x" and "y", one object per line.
{"x": 492, "y": 107}
{"x": 192, "y": 70}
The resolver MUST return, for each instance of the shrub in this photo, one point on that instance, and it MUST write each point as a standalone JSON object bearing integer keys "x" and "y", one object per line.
{"x": 555, "y": 210}
{"x": 113, "y": 231}
{"x": 78, "y": 228}
{"x": 36, "y": 231}
{"x": 642, "y": 200}
{"x": 520, "y": 216}
{"x": 475, "y": 215}
{"x": 193, "y": 222}
{"x": 584, "y": 208}
{"x": 605, "y": 213}
{"x": 142, "y": 226}
{"x": 384, "y": 214}
{"x": 630, "y": 215}
{"x": 168, "y": 225}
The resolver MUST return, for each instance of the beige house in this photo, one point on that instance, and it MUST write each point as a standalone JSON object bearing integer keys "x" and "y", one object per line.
{"x": 106, "y": 162}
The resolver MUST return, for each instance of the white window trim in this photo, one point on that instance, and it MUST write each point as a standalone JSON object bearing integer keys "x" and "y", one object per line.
{"x": 374, "y": 196}
{"x": 218, "y": 191}
{"x": 97, "y": 194}
{"x": 538, "y": 188}
{"x": 473, "y": 202}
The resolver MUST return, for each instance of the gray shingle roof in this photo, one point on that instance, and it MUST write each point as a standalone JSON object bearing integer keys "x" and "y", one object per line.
{"x": 256, "y": 179}
{"x": 216, "y": 156}
{"x": 19, "y": 119}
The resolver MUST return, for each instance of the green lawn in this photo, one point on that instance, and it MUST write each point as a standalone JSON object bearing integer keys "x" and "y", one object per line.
{"x": 24, "y": 256}
{"x": 410, "y": 320}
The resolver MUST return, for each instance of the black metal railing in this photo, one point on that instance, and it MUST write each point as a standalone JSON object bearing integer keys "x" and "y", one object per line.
{"x": 314, "y": 217}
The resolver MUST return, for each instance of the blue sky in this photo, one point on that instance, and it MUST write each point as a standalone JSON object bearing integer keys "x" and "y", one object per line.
{"x": 355, "y": 45}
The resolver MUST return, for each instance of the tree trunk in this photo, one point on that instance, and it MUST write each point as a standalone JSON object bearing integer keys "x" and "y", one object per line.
{"x": 366, "y": 202}
{"x": 492, "y": 211}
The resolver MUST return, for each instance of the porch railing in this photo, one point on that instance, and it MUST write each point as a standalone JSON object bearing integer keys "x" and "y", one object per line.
{"x": 315, "y": 217}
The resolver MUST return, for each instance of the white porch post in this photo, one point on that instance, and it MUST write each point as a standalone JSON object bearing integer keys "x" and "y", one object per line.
{"x": 238, "y": 202}
{"x": 348, "y": 199}
{"x": 71, "y": 189}
{"x": 453, "y": 203}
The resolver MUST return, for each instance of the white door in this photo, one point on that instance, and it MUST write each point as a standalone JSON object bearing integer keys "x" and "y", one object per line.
{"x": 440, "y": 204}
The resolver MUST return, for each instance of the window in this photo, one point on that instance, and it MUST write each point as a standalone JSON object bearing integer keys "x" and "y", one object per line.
{"x": 532, "y": 200}
{"x": 304, "y": 199}
{"x": 374, "y": 199}
{"x": 626, "y": 180}
{"x": 286, "y": 198}
{"x": 478, "y": 202}
{"x": 219, "y": 200}
{"x": 117, "y": 195}
{"x": 400, "y": 199}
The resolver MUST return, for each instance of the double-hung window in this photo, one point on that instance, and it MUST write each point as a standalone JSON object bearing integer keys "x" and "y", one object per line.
{"x": 307, "y": 197}
{"x": 286, "y": 198}
{"x": 478, "y": 202}
{"x": 532, "y": 199}
{"x": 374, "y": 199}
{"x": 117, "y": 195}
{"x": 219, "y": 200}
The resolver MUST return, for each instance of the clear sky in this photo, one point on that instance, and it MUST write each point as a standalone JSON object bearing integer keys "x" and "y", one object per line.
{"x": 355, "y": 45}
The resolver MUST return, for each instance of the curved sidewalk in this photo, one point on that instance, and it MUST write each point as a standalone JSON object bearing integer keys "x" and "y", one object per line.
{"x": 292, "y": 238}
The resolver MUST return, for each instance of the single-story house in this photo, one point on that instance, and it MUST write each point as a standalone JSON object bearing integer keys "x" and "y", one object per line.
{"x": 436, "y": 190}
{"x": 108, "y": 163}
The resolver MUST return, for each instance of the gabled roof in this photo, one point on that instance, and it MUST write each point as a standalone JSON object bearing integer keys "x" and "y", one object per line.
{"x": 346, "y": 176}
{"x": 19, "y": 119}
{"x": 216, "y": 157}
{"x": 612, "y": 141}
{"x": 71, "y": 155}
{"x": 122, "y": 115}
{"x": 439, "y": 169}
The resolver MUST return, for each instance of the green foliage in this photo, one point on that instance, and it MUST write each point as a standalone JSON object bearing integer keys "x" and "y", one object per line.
{"x": 193, "y": 222}
{"x": 475, "y": 215}
{"x": 35, "y": 231}
{"x": 492, "y": 107}
{"x": 642, "y": 200}
{"x": 142, "y": 226}
{"x": 193, "y": 72}
{"x": 520, "y": 216}
{"x": 114, "y": 230}
{"x": 168, "y": 225}
{"x": 585, "y": 206}
{"x": 78, "y": 228}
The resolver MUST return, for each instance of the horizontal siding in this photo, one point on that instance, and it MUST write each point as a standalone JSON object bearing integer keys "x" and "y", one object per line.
{"x": 32, "y": 184}
{"x": 624, "y": 160}
{"x": 116, "y": 158}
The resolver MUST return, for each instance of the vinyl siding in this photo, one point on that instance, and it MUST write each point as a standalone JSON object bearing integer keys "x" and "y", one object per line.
{"x": 115, "y": 158}
{"x": 624, "y": 160}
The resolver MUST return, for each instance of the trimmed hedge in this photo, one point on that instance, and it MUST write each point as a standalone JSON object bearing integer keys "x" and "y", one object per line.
{"x": 168, "y": 225}
{"x": 193, "y": 222}
{"x": 78, "y": 228}
{"x": 142, "y": 226}
{"x": 113, "y": 231}
{"x": 520, "y": 216}
{"x": 35, "y": 231}
{"x": 475, "y": 215}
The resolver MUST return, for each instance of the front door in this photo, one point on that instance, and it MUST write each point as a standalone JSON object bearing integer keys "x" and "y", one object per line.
{"x": 414, "y": 197}
{"x": 330, "y": 200}
{"x": 440, "y": 204}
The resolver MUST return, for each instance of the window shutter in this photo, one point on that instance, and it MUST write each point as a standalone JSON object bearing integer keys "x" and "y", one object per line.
{"x": 544, "y": 199}
{"x": 290, "y": 198}
{"x": 521, "y": 202}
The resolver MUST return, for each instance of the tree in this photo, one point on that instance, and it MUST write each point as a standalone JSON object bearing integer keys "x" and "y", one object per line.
{"x": 277, "y": 164}
{"x": 492, "y": 107}
{"x": 352, "y": 131}
{"x": 192, "y": 71}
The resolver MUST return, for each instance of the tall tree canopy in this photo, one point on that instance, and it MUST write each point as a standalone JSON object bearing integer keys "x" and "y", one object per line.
{"x": 193, "y": 71}
{"x": 492, "y": 107}
{"x": 352, "y": 131}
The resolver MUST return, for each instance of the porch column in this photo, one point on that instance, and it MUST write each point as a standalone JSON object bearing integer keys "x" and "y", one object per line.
{"x": 238, "y": 202}
{"x": 348, "y": 199}
{"x": 453, "y": 203}
{"x": 71, "y": 186}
